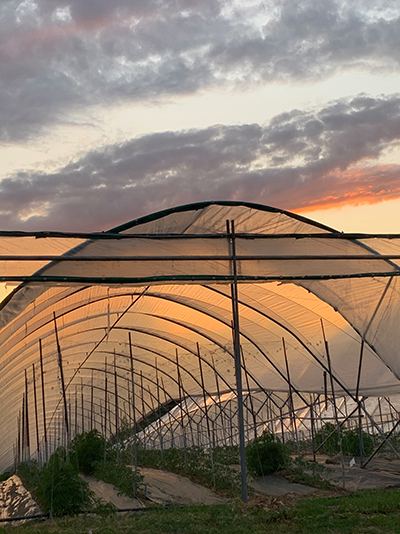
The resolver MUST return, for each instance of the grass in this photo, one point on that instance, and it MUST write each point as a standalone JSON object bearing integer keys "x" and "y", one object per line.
{"x": 371, "y": 512}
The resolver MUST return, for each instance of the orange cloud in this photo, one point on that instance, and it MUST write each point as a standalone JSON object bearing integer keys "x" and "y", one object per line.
{"x": 366, "y": 186}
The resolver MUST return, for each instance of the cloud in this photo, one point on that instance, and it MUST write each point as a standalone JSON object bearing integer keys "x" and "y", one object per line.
{"x": 61, "y": 56}
{"x": 301, "y": 159}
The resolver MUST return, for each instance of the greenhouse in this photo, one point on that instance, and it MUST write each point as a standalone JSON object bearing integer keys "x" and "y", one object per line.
{"x": 203, "y": 325}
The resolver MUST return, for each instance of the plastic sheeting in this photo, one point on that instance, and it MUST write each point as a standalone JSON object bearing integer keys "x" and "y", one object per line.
{"x": 166, "y": 284}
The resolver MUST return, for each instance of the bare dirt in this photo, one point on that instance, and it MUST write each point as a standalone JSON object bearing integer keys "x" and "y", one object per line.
{"x": 165, "y": 487}
{"x": 108, "y": 493}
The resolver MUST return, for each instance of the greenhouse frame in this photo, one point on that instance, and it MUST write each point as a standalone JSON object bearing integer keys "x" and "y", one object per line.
{"x": 220, "y": 320}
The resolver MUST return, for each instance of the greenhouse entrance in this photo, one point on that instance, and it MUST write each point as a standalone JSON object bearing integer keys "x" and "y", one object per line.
{"x": 201, "y": 328}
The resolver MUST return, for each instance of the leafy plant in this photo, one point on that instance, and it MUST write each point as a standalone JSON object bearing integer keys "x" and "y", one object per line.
{"x": 310, "y": 473}
{"x": 61, "y": 490}
{"x": 29, "y": 473}
{"x": 226, "y": 454}
{"x": 118, "y": 474}
{"x": 195, "y": 463}
{"x": 266, "y": 455}
{"x": 57, "y": 486}
{"x": 85, "y": 450}
{"x": 5, "y": 476}
{"x": 350, "y": 441}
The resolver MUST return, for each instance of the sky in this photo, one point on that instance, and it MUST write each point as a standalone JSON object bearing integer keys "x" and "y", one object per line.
{"x": 111, "y": 110}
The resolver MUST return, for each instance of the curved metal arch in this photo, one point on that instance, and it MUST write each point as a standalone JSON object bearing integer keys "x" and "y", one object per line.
{"x": 195, "y": 206}
{"x": 103, "y": 351}
{"x": 190, "y": 306}
{"x": 123, "y": 398}
{"x": 281, "y": 374}
{"x": 166, "y": 393}
{"x": 180, "y": 304}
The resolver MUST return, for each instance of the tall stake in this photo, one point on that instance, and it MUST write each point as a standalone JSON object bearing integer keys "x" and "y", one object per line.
{"x": 219, "y": 401}
{"x": 36, "y": 411}
{"x": 134, "y": 413}
{"x": 116, "y": 406}
{"x": 253, "y": 414}
{"x": 143, "y": 411}
{"x": 82, "y": 408}
{"x": 292, "y": 412}
{"x": 23, "y": 428}
{"x": 159, "y": 414}
{"x": 334, "y": 401}
{"x": 206, "y": 415}
{"x": 91, "y": 402}
{"x": 27, "y": 417}
{"x": 105, "y": 409}
{"x": 360, "y": 434}
{"x": 46, "y": 446}
{"x": 181, "y": 406}
{"x": 230, "y": 227}
{"x": 62, "y": 384}
{"x": 76, "y": 409}
{"x": 19, "y": 439}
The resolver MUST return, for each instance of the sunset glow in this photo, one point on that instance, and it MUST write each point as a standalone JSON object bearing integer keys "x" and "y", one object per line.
{"x": 114, "y": 110}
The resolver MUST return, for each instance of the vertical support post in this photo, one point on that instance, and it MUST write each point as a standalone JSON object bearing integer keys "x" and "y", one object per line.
{"x": 62, "y": 384}
{"x": 82, "y": 408}
{"x": 143, "y": 410}
{"x": 221, "y": 410}
{"x": 181, "y": 407}
{"x": 46, "y": 446}
{"x": 334, "y": 402}
{"x": 105, "y": 408}
{"x": 312, "y": 426}
{"x": 282, "y": 429}
{"x": 70, "y": 411}
{"x": 36, "y": 412}
{"x": 91, "y": 402}
{"x": 360, "y": 434}
{"x": 76, "y": 409}
{"x": 160, "y": 435}
{"x": 230, "y": 227}
{"x": 325, "y": 390}
{"x": 292, "y": 412}
{"x": 134, "y": 414}
{"x": 19, "y": 439}
{"x": 116, "y": 405}
{"x": 206, "y": 415}
{"x": 254, "y": 415}
{"x": 28, "y": 447}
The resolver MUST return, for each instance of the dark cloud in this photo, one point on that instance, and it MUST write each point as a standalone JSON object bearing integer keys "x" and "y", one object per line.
{"x": 59, "y": 56}
{"x": 300, "y": 159}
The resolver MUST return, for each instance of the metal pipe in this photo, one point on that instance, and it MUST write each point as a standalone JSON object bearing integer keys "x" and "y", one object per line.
{"x": 60, "y": 366}
{"x": 230, "y": 226}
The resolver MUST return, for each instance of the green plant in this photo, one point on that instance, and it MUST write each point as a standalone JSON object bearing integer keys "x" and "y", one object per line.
{"x": 5, "y": 476}
{"x": 104, "y": 509}
{"x": 350, "y": 441}
{"x": 118, "y": 474}
{"x": 266, "y": 455}
{"x": 29, "y": 473}
{"x": 85, "y": 450}
{"x": 310, "y": 473}
{"x": 226, "y": 454}
{"x": 195, "y": 463}
{"x": 60, "y": 489}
